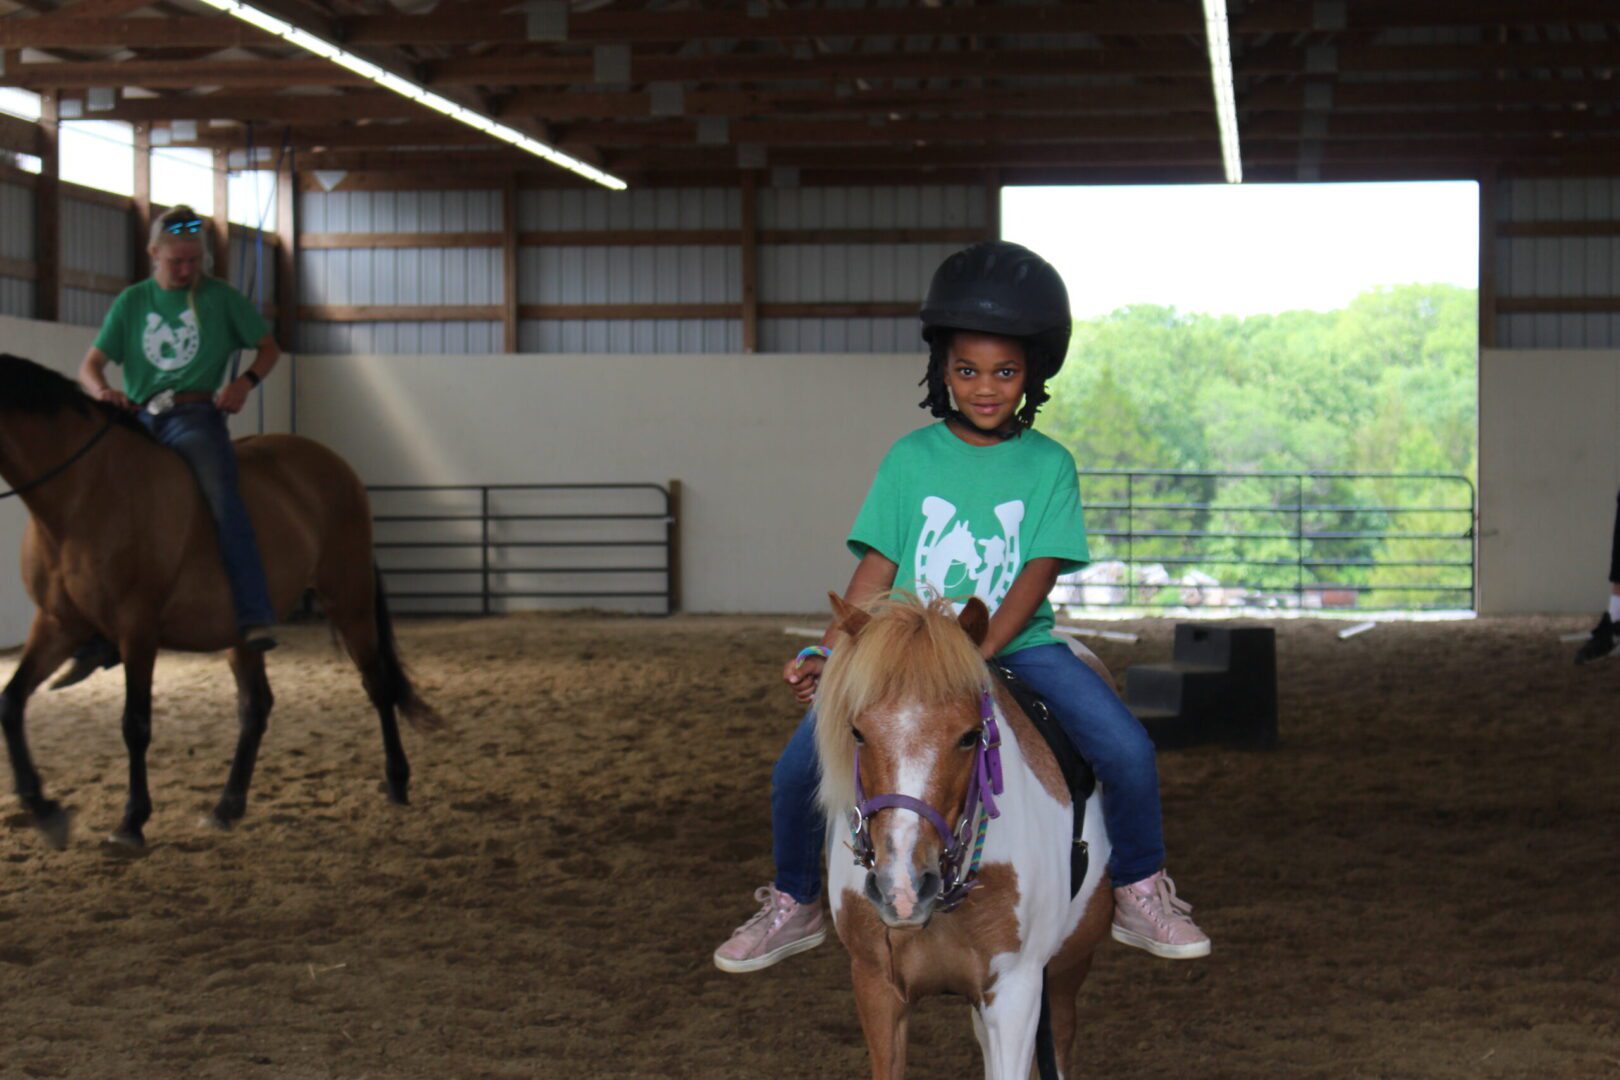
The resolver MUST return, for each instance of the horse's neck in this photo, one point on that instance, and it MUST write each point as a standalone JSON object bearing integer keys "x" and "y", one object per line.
{"x": 32, "y": 446}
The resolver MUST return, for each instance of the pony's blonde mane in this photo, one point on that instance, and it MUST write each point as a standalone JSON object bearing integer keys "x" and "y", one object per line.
{"x": 909, "y": 652}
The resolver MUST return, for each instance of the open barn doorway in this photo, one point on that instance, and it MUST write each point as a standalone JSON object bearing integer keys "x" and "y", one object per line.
{"x": 1271, "y": 391}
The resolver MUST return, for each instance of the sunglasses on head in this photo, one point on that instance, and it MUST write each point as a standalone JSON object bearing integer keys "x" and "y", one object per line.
{"x": 182, "y": 226}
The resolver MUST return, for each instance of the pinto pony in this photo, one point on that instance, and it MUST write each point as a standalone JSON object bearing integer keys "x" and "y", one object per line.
{"x": 121, "y": 546}
{"x": 907, "y": 708}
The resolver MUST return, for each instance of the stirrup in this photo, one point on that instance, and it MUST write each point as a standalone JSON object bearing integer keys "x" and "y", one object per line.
{"x": 94, "y": 656}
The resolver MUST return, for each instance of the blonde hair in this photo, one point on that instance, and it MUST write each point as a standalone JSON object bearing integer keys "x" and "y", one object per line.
{"x": 910, "y": 651}
{"x": 159, "y": 234}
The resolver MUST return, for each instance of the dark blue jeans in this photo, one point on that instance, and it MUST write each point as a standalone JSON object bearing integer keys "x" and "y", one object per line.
{"x": 197, "y": 432}
{"x": 1092, "y": 715}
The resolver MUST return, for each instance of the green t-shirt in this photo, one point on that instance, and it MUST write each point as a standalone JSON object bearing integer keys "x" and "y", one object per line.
{"x": 961, "y": 520}
{"x": 163, "y": 344}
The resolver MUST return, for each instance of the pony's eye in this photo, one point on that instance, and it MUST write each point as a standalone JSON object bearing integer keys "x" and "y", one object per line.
{"x": 966, "y": 741}
{"x": 860, "y": 740}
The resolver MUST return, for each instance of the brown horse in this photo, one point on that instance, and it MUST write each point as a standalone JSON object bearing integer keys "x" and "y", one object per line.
{"x": 120, "y": 546}
{"x": 912, "y": 730}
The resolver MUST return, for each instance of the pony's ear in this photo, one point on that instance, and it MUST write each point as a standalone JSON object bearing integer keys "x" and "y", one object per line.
{"x": 975, "y": 620}
{"x": 850, "y": 619}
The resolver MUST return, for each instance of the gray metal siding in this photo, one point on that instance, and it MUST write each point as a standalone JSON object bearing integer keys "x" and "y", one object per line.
{"x": 400, "y": 276}
{"x": 16, "y": 297}
{"x": 650, "y": 336}
{"x": 95, "y": 238}
{"x": 1558, "y": 266}
{"x": 592, "y": 274}
{"x": 871, "y": 207}
{"x": 399, "y": 211}
{"x": 252, "y": 270}
{"x": 662, "y": 274}
{"x": 400, "y": 338}
{"x": 642, "y": 208}
{"x": 16, "y": 222}
{"x": 84, "y": 307}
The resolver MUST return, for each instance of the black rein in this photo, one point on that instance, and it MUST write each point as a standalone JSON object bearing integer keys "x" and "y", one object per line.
{"x": 62, "y": 468}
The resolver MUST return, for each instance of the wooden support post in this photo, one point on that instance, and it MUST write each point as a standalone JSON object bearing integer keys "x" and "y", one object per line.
{"x": 287, "y": 254}
{"x": 48, "y": 213}
{"x": 992, "y": 204}
{"x": 750, "y": 262}
{"x": 221, "y": 220}
{"x": 509, "y": 255}
{"x": 141, "y": 219}
{"x": 1487, "y": 257}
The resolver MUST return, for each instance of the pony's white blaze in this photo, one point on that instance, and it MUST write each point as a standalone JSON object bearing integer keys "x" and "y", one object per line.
{"x": 901, "y": 828}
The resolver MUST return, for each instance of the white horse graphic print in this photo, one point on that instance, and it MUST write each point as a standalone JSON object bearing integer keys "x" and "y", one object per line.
{"x": 952, "y": 562}
{"x": 170, "y": 348}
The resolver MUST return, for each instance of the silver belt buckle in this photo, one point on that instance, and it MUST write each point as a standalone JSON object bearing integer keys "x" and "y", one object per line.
{"x": 160, "y": 402}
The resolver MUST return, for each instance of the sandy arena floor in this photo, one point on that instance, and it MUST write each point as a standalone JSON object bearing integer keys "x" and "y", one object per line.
{"x": 1419, "y": 883}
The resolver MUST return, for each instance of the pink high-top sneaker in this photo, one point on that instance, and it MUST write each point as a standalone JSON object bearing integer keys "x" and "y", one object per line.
{"x": 782, "y": 927}
{"x": 1149, "y": 915}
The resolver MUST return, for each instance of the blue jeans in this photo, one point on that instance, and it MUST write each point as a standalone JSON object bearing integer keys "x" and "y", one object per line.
{"x": 1091, "y": 714}
{"x": 197, "y": 432}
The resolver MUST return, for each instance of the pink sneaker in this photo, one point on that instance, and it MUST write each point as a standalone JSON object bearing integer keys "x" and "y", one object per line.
{"x": 1149, "y": 915}
{"x": 782, "y": 927}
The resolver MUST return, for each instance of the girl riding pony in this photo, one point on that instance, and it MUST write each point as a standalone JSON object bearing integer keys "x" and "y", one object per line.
{"x": 982, "y": 505}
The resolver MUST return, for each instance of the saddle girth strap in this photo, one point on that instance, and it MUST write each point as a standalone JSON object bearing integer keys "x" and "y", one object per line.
{"x": 1076, "y": 771}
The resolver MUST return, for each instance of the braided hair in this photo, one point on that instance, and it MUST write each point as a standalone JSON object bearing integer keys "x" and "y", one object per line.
{"x": 1038, "y": 369}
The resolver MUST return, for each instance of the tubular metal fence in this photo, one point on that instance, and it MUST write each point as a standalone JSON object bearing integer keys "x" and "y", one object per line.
{"x": 486, "y": 548}
{"x": 1162, "y": 538}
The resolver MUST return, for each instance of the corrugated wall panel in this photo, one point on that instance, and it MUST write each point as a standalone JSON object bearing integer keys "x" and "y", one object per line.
{"x": 871, "y": 207}
{"x": 669, "y": 274}
{"x": 651, "y": 336}
{"x": 16, "y": 222}
{"x": 1535, "y": 267}
{"x": 642, "y": 208}
{"x": 399, "y": 211}
{"x": 253, "y": 267}
{"x": 839, "y": 335}
{"x": 811, "y": 273}
{"x": 661, "y": 274}
{"x": 16, "y": 297}
{"x": 403, "y": 338}
{"x": 400, "y": 276}
{"x": 84, "y": 307}
{"x": 95, "y": 238}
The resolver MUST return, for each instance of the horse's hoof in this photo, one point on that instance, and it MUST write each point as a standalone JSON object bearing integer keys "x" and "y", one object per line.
{"x": 399, "y": 798}
{"x": 54, "y": 824}
{"x": 216, "y": 821}
{"x": 125, "y": 842}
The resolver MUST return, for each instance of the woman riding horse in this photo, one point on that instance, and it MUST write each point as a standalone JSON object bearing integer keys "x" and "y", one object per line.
{"x": 174, "y": 334}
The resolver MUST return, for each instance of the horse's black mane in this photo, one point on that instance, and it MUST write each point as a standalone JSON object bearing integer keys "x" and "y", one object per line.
{"x": 28, "y": 387}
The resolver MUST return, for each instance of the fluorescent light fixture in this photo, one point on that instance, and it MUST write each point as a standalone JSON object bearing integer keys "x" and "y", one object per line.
{"x": 1220, "y": 75}
{"x": 398, "y": 84}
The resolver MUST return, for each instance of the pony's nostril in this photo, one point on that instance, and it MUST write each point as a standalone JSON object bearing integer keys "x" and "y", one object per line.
{"x": 928, "y": 890}
{"x": 873, "y": 893}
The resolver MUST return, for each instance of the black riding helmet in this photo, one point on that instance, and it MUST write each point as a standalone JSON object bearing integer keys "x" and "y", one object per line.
{"x": 997, "y": 287}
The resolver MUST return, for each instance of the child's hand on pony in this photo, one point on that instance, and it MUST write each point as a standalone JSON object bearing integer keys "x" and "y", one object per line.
{"x": 803, "y": 675}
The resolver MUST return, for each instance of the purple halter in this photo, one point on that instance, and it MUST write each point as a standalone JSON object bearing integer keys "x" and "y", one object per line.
{"x": 959, "y": 863}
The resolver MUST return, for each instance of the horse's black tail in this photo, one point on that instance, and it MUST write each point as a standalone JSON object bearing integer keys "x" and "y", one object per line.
{"x": 396, "y": 688}
{"x": 1045, "y": 1048}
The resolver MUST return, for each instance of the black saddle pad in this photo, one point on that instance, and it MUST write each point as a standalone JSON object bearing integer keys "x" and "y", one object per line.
{"x": 1076, "y": 770}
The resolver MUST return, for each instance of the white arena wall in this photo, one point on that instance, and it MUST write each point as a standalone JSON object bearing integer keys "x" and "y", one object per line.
{"x": 59, "y": 346}
{"x": 774, "y": 452}
{"x": 1549, "y": 468}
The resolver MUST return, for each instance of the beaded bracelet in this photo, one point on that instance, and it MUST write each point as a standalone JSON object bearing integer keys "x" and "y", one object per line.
{"x": 809, "y": 651}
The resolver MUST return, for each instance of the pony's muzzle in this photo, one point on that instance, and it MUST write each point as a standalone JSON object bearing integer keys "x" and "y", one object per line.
{"x": 910, "y": 906}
